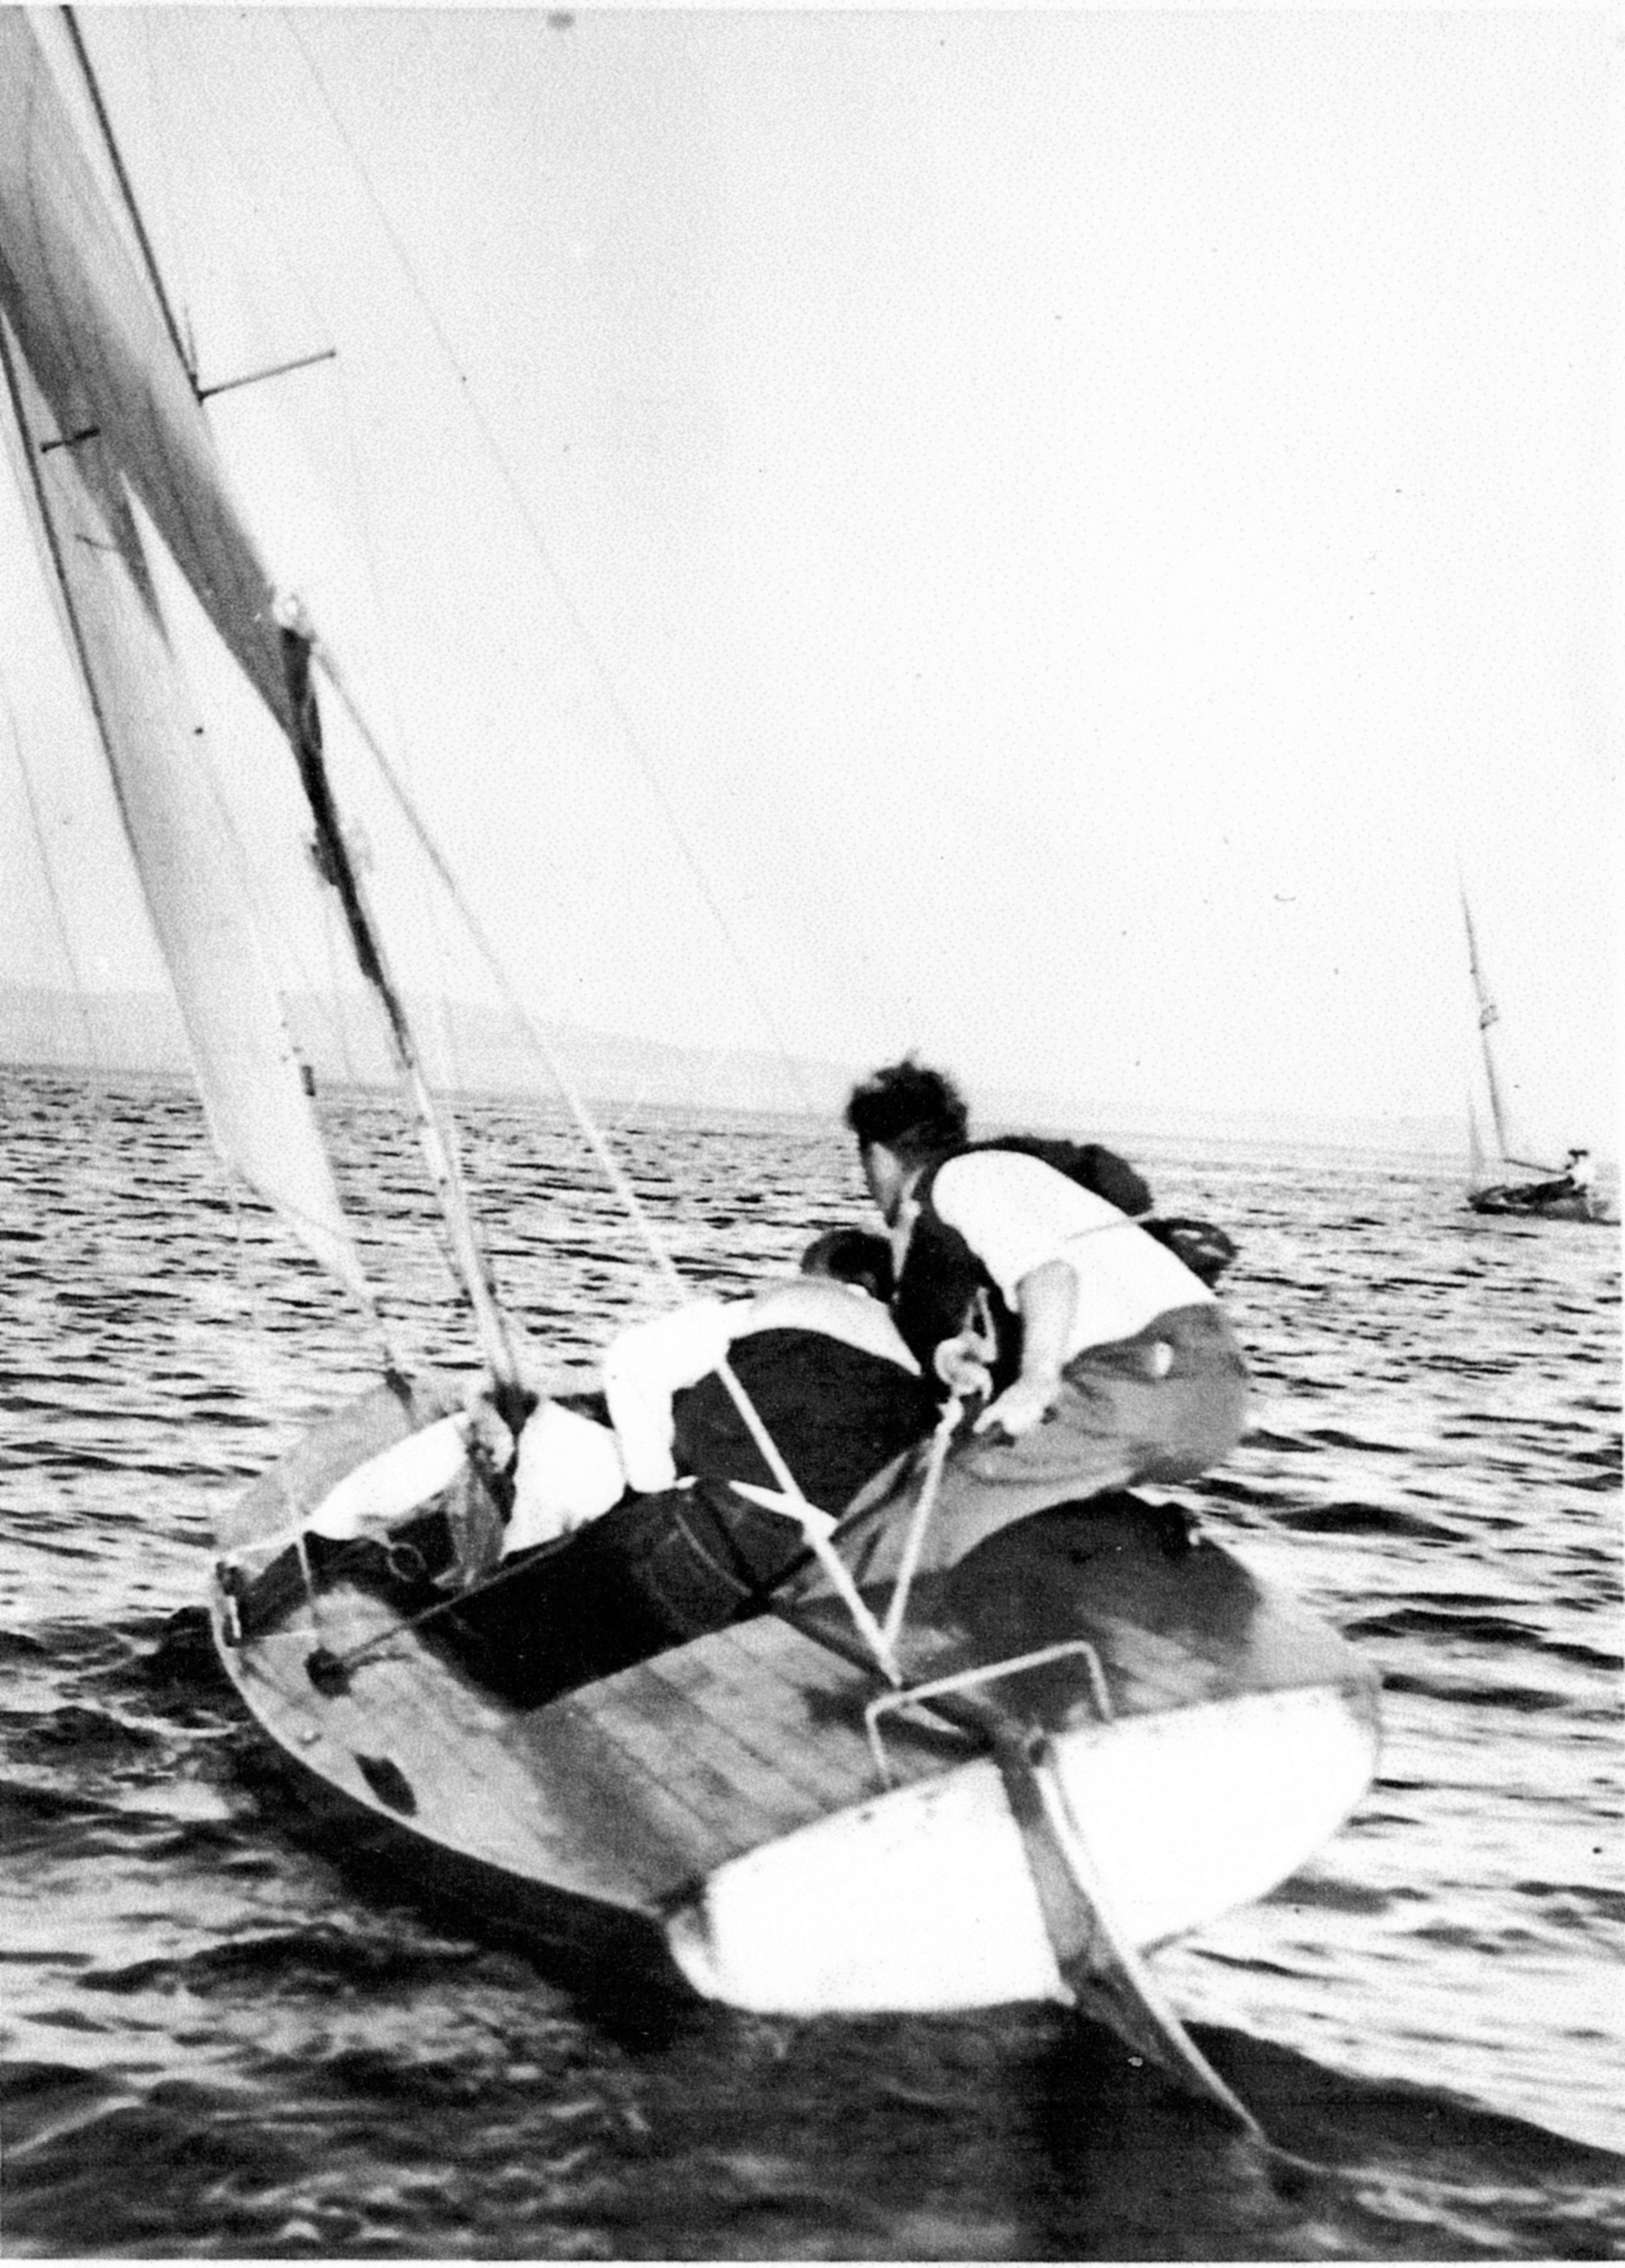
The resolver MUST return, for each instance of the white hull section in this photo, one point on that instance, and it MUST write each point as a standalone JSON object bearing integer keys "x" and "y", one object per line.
{"x": 923, "y": 1900}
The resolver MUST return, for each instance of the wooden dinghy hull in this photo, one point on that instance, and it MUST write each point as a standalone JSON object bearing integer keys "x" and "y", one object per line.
{"x": 755, "y": 1815}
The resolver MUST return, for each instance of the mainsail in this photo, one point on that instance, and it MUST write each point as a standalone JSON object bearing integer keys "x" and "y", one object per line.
{"x": 92, "y": 334}
{"x": 109, "y": 416}
{"x": 103, "y": 411}
{"x": 186, "y": 856}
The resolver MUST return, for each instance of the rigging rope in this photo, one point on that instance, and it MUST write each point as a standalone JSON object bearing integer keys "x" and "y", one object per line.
{"x": 115, "y": 158}
{"x": 99, "y": 1147}
{"x": 64, "y": 938}
{"x": 437, "y": 1135}
{"x": 879, "y": 1643}
{"x": 445, "y": 1026}
{"x": 538, "y": 541}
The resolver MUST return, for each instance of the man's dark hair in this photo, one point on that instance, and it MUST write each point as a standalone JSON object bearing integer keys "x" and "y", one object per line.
{"x": 852, "y": 1255}
{"x": 915, "y": 1111}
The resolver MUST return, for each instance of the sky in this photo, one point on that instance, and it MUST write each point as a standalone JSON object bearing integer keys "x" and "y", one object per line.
{"x": 1053, "y": 538}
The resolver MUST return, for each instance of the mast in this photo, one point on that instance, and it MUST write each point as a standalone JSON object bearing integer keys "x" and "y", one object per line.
{"x": 434, "y": 1135}
{"x": 1488, "y": 1014}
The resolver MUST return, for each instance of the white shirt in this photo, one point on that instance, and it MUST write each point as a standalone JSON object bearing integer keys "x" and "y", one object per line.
{"x": 1015, "y": 1212}
{"x": 648, "y": 1364}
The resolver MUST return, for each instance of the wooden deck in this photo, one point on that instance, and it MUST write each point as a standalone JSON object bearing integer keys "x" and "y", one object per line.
{"x": 627, "y": 1792}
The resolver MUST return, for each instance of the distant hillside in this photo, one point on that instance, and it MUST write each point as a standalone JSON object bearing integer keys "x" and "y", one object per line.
{"x": 468, "y": 1047}
{"x": 141, "y": 1031}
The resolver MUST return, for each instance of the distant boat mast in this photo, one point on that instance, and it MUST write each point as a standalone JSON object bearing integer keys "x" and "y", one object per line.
{"x": 1488, "y": 1014}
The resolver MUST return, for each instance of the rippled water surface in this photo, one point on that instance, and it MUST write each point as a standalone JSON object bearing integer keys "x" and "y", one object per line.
{"x": 218, "y": 2040}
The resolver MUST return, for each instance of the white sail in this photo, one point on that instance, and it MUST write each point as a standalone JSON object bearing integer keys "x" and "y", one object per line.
{"x": 1487, "y": 1015}
{"x": 93, "y": 337}
{"x": 1475, "y": 1146}
{"x": 97, "y": 399}
{"x": 185, "y": 854}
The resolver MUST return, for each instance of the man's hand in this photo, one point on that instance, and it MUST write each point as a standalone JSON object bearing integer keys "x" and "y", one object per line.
{"x": 960, "y": 1363}
{"x": 489, "y": 1438}
{"x": 1023, "y": 1404}
{"x": 1046, "y": 1298}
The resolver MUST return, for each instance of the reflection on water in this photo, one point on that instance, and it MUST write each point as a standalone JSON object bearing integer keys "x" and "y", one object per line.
{"x": 217, "y": 2042}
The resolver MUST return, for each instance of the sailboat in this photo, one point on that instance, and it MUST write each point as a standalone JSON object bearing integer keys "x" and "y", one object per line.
{"x": 1536, "y": 1192}
{"x": 884, "y": 1778}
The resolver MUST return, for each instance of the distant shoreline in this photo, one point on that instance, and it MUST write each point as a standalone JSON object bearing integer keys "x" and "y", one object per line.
{"x": 1150, "y": 1131}
{"x": 138, "y": 1032}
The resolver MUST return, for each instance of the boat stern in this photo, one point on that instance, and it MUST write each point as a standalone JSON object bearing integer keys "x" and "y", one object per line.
{"x": 924, "y": 1899}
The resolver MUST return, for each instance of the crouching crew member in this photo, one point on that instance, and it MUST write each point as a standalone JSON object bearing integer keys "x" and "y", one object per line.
{"x": 1108, "y": 1363}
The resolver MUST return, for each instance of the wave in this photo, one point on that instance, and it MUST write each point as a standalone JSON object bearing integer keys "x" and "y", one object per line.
{"x": 1490, "y": 1628}
{"x": 1352, "y": 1517}
{"x": 1528, "y": 1700}
{"x": 314, "y": 1959}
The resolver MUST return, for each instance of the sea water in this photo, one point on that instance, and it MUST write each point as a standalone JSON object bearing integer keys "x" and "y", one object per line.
{"x": 217, "y": 2042}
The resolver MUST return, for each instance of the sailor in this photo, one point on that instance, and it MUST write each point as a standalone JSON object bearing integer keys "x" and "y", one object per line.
{"x": 1576, "y": 1180}
{"x": 1579, "y": 1172}
{"x": 686, "y": 1548}
{"x": 1110, "y": 1363}
{"x": 817, "y": 1355}
{"x": 819, "y": 1359}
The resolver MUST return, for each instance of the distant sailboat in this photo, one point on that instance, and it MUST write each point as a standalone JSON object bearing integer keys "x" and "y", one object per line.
{"x": 890, "y": 1781}
{"x": 1544, "y": 1192}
